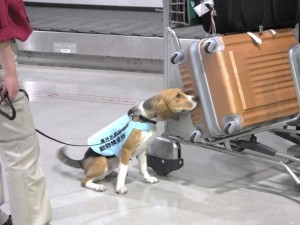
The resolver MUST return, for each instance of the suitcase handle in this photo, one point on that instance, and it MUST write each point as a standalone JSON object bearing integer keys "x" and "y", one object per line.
{"x": 256, "y": 39}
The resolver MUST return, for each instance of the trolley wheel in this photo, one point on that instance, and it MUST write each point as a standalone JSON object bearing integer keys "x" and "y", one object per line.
{"x": 251, "y": 138}
{"x": 294, "y": 151}
{"x": 237, "y": 149}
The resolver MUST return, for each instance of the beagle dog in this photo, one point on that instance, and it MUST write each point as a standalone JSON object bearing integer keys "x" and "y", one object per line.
{"x": 126, "y": 138}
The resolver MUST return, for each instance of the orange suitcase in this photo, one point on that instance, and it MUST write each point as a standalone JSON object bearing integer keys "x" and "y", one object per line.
{"x": 241, "y": 83}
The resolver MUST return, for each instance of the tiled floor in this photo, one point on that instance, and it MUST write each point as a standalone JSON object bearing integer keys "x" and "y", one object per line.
{"x": 211, "y": 189}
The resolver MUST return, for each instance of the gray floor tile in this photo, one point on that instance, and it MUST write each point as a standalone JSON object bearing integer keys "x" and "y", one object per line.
{"x": 211, "y": 189}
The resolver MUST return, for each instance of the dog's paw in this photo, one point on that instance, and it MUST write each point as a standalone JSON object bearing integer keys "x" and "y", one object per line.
{"x": 121, "y": 190}
{"x": 93, "y": 186}
{"x": 99, "y": 188}
{"x": 151, "y": 180}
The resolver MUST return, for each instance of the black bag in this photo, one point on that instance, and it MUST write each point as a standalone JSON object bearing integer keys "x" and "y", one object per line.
{"x": 248, "y": 15}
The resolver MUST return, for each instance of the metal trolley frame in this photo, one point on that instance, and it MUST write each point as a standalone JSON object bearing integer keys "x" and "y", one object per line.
{"x": 165, "y": 152}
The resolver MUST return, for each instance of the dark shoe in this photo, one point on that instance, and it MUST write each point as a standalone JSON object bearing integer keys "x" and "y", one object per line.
{"x": 8, "y": 221}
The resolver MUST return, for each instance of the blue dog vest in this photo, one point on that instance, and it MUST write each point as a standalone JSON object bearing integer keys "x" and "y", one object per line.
{"x": 112, "y": 137}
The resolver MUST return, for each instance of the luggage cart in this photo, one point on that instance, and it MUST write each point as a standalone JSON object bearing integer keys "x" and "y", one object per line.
{"x": 164, "y": 155}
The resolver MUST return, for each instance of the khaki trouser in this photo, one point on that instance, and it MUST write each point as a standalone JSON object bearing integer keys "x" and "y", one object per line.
{"x": 19, "y": 151}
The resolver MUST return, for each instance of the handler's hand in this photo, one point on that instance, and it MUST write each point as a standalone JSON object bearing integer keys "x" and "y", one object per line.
{"x": 10, "y": 85}
{"x": 10, "y": 78}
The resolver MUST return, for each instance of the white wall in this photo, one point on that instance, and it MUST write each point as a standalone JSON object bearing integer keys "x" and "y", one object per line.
{"x": 133, "y": 3}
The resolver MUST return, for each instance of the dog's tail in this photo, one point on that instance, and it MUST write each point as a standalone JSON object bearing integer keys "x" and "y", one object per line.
{"x": 62, "y": 156}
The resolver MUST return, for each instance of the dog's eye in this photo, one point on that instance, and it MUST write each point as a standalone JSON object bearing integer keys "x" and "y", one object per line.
{"x": 178, "y": 96}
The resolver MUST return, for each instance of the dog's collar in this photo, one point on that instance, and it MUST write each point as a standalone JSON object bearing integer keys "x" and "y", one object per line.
{"x": 132, "y": 112}
{"x": 144, "y": 119}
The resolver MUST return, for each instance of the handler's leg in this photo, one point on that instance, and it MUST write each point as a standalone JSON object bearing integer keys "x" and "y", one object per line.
{"x": 19, "y": 148}
{"x": 2, "y": 199}
{"x": 3, "y": 216}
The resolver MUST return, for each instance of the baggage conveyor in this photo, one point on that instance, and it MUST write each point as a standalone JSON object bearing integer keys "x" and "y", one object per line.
{"x": 244, "y": 144}
{"x": 97, "y": 36}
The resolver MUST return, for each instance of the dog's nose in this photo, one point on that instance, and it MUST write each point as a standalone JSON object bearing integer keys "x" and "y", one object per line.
{"x": 195, "y": 99}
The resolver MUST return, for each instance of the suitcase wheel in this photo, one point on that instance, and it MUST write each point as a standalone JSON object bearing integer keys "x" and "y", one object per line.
{"x": 196, "y": 136}
{"x": 210, "y": 46}
{"x": 230, "y": 127}
{"x": 177, "y": 57}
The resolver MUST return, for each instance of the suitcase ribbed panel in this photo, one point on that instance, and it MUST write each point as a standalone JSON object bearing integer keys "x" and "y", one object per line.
{"x": 187, "y": 81}
{"x": 268, "y": 80}
{"x": 188, "y": 88}
{"x": 287, "y": 108}
{"x": 266, "y": 84}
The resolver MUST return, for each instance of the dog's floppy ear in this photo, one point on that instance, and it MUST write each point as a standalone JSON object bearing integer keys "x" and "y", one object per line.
{"x": 148, "y": 104}
{"x": 164, "y": 110}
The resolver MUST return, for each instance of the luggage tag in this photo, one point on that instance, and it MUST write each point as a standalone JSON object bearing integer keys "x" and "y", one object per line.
{"x": 204, "y": 7}
{"x": 207, "y": 6}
